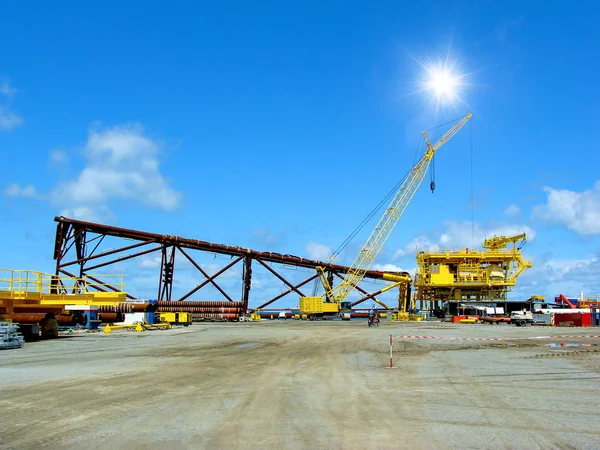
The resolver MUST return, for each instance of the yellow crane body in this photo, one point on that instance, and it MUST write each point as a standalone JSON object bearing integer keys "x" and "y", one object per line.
{"x": 317, "y": 305}
{"x": 467, "y": 274}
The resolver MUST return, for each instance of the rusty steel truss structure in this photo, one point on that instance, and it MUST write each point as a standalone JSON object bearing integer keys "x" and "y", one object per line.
{"x": 77, "y": 254}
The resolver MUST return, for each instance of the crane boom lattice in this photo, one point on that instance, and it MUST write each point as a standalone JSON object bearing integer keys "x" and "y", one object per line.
{"x": 392, "y": 214}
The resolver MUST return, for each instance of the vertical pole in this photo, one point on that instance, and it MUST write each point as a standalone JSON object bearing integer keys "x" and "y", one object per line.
{"x": 391, "y": 352}
{"x": 165, "y": 284}
{"x": 163, "y": 260}
{"x": 247, "y": 277}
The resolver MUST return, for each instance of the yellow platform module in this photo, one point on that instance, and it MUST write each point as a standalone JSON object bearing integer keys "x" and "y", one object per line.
{"x": 25, "y": 290}
{"x": 467, "y": 274}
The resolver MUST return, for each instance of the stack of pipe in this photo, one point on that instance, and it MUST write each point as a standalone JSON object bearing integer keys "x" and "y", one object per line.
{"x": 359, "y": 315}
{"x": 111, "y": 317}
{"x": 116, "y": 313}
{"x": 204, "y": 310}
{"x": 125, "y": 307}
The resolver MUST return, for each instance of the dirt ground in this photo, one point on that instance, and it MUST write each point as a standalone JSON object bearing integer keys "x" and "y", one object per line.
{"x": 303, "y": 385}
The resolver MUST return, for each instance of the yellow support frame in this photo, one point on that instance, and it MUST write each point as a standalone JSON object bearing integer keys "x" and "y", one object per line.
{"x": 138, "y": 327}
{"x": 26, "y": 288}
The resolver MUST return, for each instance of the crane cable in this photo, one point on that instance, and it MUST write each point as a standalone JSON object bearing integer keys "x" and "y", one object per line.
{"x": 392, "y": 191}
{"x": 366, "y": 219}
{"x": 369, "y": 216}
{"x": 395, "y": 189}
{"x": 374, "y": 211}
{"x": 472, "y": 201}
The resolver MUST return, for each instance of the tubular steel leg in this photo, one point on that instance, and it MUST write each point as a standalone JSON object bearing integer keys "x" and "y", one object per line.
{"x": 247, "y": 277}
{"x": 80, "y": 248}
{"x": 165, "y": 284}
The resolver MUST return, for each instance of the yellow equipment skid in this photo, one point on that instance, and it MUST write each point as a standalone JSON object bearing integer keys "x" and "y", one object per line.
{"x": 176, "y": 318}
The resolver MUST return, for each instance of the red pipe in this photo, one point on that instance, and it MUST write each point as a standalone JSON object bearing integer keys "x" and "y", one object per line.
{"x": 111, "y": 317}
{"x": 215, "y": 316}
{"x": 199, "y": 310}
{"x": 63, "y": 319}
{"x": 360, "y": 315}
{"x": 210, "y": 304}
{"x": 125, "y": 307}
{"x": 137, "y": 307}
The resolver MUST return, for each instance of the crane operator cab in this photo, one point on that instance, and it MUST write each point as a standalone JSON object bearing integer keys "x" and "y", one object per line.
{"x": 345, "y": 306}
{"x": 345, "y": 310}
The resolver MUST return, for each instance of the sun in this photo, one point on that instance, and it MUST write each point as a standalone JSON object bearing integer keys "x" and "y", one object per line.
{"x": 443, "y": 84}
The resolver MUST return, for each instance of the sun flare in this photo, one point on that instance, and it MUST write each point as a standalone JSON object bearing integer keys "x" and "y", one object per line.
{"x": 443, "y": 83}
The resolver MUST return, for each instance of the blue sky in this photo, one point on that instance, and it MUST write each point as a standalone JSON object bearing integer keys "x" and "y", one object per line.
{"x": 280, "y": 125}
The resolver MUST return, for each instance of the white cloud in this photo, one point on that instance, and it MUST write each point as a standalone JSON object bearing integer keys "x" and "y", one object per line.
{"x": 121, "y": 164}
{"x": 578, "y": 211}
{"x": 16, "y": 190}
{"x": 581, "y": 269}
{"x": 8, "y": 119}
{"x": 234, "y": 272}
{"x": 398, "y": 254}
{"x": 458, "y": 235}
{"x": 421, "y": 243}
{"x": 264, "y": 236}
{"x": 151, "y": 261}
{"x": 556, "y": 276}
{"x": 512, "y": 210}
{"x": 97, "y": 214}
{"x": 389, "y": 268}
{"x": 316, "y": 251}
{"x": 58, "y": 155}
{"x": 7, "y": 89}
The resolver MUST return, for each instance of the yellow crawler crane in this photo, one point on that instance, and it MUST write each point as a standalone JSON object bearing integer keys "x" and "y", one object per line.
{"x": 469, "y": 274}
{"x": 334, "y": 300}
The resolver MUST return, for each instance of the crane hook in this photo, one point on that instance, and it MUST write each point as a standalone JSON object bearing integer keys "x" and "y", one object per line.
{"x": 432, "y": 186}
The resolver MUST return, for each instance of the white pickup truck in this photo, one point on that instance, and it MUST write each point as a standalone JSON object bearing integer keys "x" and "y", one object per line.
{"x": 521, "y": 318}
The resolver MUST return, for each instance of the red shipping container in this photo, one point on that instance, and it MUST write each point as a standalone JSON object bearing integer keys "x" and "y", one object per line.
{"x": 577, "y": 319}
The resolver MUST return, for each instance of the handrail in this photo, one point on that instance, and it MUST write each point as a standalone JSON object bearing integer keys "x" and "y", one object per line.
{"x": 33, "y": 282}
